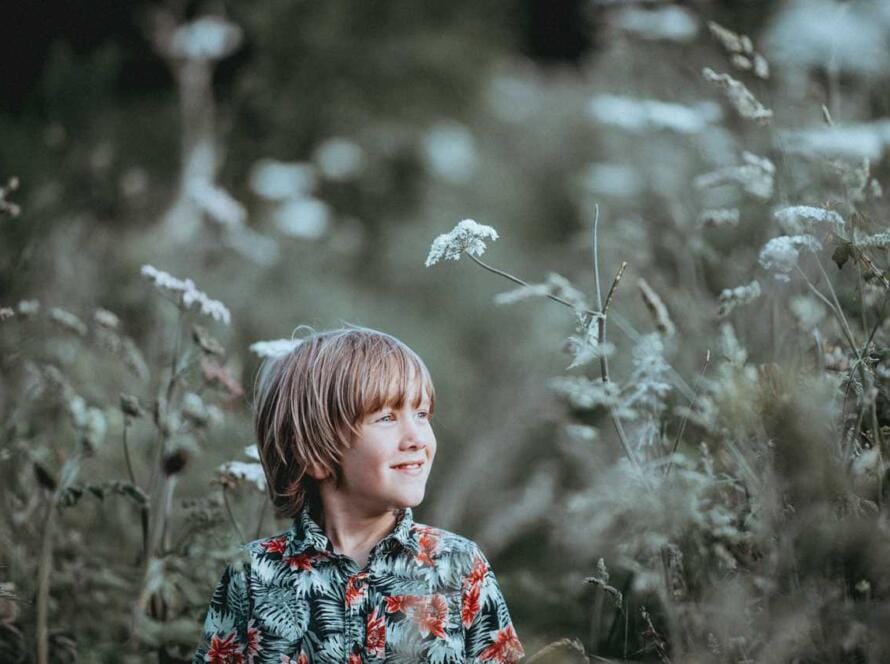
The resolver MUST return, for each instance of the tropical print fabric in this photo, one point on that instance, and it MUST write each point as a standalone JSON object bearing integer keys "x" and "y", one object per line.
{"x": 426, "y": 595}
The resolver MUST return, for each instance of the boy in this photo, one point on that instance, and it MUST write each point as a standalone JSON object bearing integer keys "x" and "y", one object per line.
{"x": 344, "y": 435}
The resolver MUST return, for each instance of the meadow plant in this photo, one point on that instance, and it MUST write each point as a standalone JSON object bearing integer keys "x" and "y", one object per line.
{"x": 745, "y": 523}
{"x": 63, "y": 471}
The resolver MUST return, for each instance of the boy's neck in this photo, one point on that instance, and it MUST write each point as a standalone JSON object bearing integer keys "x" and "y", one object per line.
{"x": 353, "y": 532}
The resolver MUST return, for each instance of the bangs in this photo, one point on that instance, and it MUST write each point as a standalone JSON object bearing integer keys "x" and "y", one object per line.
{"x": 394, "y": 375}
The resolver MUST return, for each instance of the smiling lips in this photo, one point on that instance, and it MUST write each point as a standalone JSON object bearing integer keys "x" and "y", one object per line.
{"x": 411, "y": 468}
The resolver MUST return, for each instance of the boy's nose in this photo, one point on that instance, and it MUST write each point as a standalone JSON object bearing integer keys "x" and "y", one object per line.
{"x": 411, "y": 433}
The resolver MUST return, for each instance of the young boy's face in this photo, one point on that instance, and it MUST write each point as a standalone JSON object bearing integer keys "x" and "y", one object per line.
{"x": 374, "y": 469}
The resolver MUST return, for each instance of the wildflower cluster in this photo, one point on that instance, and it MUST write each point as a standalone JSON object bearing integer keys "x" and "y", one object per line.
{"x": 186, "y": 294}
{"x": 467, "y": 236}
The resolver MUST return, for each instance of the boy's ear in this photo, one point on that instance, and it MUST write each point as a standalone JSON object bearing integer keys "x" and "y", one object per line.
{"x": 316, "y": 472}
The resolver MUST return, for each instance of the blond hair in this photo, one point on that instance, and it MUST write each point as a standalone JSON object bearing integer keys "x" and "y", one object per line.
{"x": 309, "y": 403}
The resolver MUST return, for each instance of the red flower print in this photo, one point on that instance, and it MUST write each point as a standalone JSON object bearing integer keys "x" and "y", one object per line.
{"x": 253, "y": 641}
{"x": 477, "y": 574}
{"x": 224, "y": 651}
{"x": 400, "y": 603}
{"x": 356, "y": 589}
{"x": 471, "y": 605}
{"x": 430, "y": 615}
{"x": 303, "y": 658}
{"x": 428, "y": 542}
{"x": 376, "y": 641}
{"x": 355, "y": 658}
{"x": 302, "y": 562}
{"x": 275, "y": 545}
{"x": 505, "y": 648}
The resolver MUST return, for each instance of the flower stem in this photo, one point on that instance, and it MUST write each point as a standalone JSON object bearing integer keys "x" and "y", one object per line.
{"x": 235, "y": 524}
{"x": 517, "y": 280}
{"x": 44, "y": 566}
{"x": 686, "y": 418}
{"x": 127, "y": 452}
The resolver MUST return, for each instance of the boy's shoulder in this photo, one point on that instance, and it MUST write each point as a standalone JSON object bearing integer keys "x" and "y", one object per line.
{"x": 442, "y": 540}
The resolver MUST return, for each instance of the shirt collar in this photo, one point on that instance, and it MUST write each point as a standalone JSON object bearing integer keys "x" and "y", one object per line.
{"x": 306, "y": 533}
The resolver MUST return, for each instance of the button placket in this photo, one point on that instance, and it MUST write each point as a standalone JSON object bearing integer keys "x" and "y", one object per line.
{"x": 354, "y": 599}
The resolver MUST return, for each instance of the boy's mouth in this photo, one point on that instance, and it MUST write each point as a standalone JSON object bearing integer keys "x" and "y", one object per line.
{"x": 412, "y": 468}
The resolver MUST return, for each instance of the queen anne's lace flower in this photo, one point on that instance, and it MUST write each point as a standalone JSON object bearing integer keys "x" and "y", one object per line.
{"x": 274, "y": 348}
{"x": 467, "y": 236}
{"x": 756, "y": 176}
{"x": 806, "y": 219}
{"x": 780, "y": 254}
{"x": 640, "y": 115}
{"x": 184, "y": 290}
{"x": 247, "y": 472}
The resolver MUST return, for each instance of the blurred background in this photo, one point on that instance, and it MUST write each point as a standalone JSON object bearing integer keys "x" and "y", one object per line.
{"x": 295, "y": 160}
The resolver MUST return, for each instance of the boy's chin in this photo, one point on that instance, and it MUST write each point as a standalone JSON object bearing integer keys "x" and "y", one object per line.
{"x": 408, "y": 501}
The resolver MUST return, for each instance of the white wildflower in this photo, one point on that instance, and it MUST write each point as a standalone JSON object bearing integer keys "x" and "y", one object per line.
{"x": 450, "y": 152}
{"x": 218, "y": 204}
{"x": 852, "y": 141}
{"x": 206, "y": 38}
{"x": 306, "y": 217}
{"x": 467, "y": 236}
{"x": 339, "y": 159}
{"x": 755, "y": 176}
{"x": 586, "y": 393}
{"x": 668, "y": 22}
{"x": 194, "y": 410}
{"x": 278, "y": 180}
{"x": 780, "y": 254}
{"x": 739, "y": 96}
{"x": 730, "y": 298}
{"x": 187, "y": 294}
{"x": 582, "y": 432}
{"x": 27, "y": 308}
{"x": 244, "y": 471}
{"x": 877, "y": 241}
{"x": 274, "y": 348}
{"x": 800, "y": 219}
{"x": 718, "y": 217}
{"x": 640, "y": 115}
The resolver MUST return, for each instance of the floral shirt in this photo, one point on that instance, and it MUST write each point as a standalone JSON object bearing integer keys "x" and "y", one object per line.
{"x": 426, "y": 595}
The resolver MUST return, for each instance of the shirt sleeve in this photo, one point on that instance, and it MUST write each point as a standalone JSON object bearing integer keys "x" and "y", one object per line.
{"x": 489, "y": 632}
{"x": 225, "y": 633}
